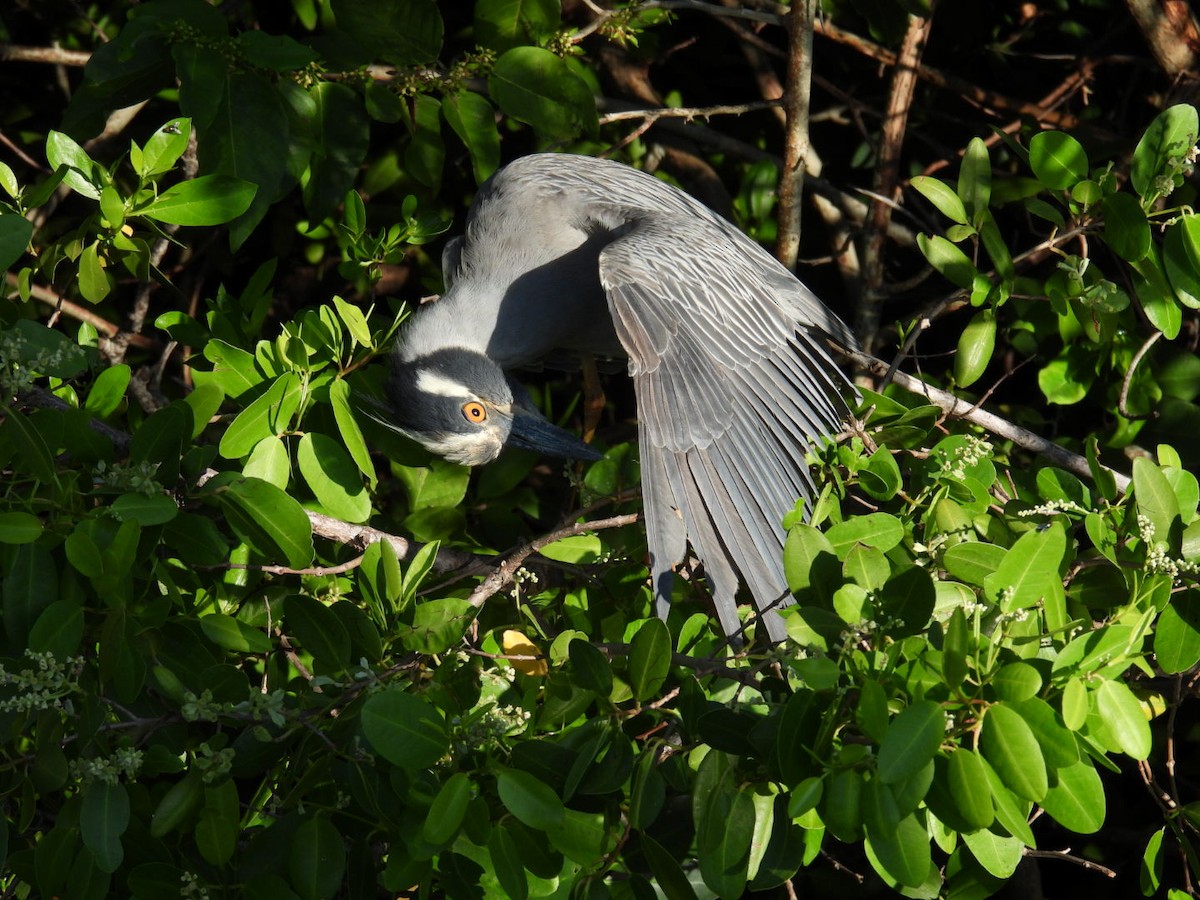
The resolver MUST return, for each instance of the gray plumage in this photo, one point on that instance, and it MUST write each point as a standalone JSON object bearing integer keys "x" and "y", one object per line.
{"x": 567, "y": 255}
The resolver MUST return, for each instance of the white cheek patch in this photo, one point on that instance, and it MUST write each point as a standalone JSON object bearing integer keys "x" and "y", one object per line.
{"x": 430, "y": 382}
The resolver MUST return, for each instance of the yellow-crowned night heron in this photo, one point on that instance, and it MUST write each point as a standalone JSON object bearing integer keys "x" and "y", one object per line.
{"x": 572, "y": 255}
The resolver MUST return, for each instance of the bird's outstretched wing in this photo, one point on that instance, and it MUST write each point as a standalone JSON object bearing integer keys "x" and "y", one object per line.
{"x": 732, "y": 388}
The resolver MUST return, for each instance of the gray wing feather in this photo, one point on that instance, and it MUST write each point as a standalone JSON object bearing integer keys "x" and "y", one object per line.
{"x": 731, "y": 393}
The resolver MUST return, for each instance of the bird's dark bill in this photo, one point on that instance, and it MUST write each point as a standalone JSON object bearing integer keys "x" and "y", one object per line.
{"x": 531, "y": 432}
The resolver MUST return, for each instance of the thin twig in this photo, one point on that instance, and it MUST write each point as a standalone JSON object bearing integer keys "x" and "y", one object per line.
{"x": 81, "y": 314}
{"x": 687, "y": 113}
{"x": 504, "y": 573}
{"x": 961, "y": 409}
{"x": 1128, "y": 379}
{"x": 1066, "y": 856}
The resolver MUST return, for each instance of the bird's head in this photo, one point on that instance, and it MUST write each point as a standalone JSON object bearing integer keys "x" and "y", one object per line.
{"x": 458, "y": 404}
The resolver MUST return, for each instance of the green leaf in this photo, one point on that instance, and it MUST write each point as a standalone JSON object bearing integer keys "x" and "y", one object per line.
{"x": 18, "y": 527}
{"x": 1156, "y": 499}
{"x": 904, "y": 854}
{"x": 218, "y": 827}
{"x": 333, "y": 478}
{"x": 943, "y": 197}
{"x": 83, "y": 175}
{"x": 536, "y": 87}
{"x": 207, "y": 200}
{"x": 591, "y": 667}
{"x": 1152, "y": 864}
{"x": 880, "y": 478}
{"x": 667, "y": 872}
{"x": 474, "y": 121}
{"x": 448, "y": 810}
{"x": 269, "y": 461}
{"x": 164, "y": 148}
{"x": 59, "y": 629}
{"x": 236, "y": 636}
{"x": 975, "y": 347}
{"x": 506, "y": 863}
{"x": 181, "y": 801}
{"x": 1076, "y": 799}
{"x": 108, "y": 391}
{"x": 145, "y": 509}
{"x": 234, "y": 370}
{"x": 1029, "y": 571}
{"x": 340, "y": 133}
{"x": 270, "y": 521}
{"x": 103, "y": 818}
{"x": 530, "y": 800}
{"x": 578, "y": 549}
{"x": 871, "y": 712}
{"x": 1000, "y": 856}
{"x": 1124, "y": 718}
{"x": 1126, "y": 230}
{"x": 1057, "y": 159}
{"x": 438, "y": 625}
{"x": 972, "y": 561}
{"x": 975, "y": 180}
{"x": 316, "y": 859}
{"x": 1181, "y": 259}
{"x": 352, "y": 436}
{"x": 404, "y": 729}
{"x": 30, "y": 587}
{"x": 1059, "y": 746}
{"x": 1177, "y": 633}
{"x": 1075, "y": 704}
{"x": 15, "y": 232}
{"x": 1170, "y": 136}
{"x": 912, "y": 740}
{"x": 403, "y": 34}
{"x": 1011, "y": 811}
{"x": 1009, "y": 745}
{"x": 879, "y": 530}
{"x": 723, "y": 834}
{"x": 907, "y": 600}
{"x": 319, "y": 631}
{"x": 649, "y": 658}
{"x": 969, "y": 788}
{"x": 94, "y": 283}
{"x": 270, "y": 414}
{"x": 1016, "y": 681}
{"x": 955, "y": 646}
{"x": 802, "y": 550}
{"x": 948, "y": 260}
{"x": 501, "y": 24}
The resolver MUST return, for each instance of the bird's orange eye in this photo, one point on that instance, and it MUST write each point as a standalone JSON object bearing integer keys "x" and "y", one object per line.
{"x": 473, "y": 411}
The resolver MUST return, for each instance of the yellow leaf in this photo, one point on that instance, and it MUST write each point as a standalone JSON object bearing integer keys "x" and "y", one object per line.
{"x": 523, "y": 654}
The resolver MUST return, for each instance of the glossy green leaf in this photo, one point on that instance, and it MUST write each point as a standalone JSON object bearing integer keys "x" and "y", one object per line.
{"x": 108, "y": 391}
{"x": 972, "y": 561}
{"x": 1029, "y": 569}
{"x": 1075, "y": 704}
{"x": 164, "y": 147}
{"x": 270, "y": 462}
{"x": 1076, "y": 799}
{"x": 1181, "y": 259}
{"x": 83, "y": 175}
{"x": 904, "y": 854}
{"x": 318, "y": 630}
{"x": 18, "y": 527}
{"x": 1170, "y": 136}
{"x": 1058, "y": 744}
{"x": 15, "y": 232}
{"x": 406, "y": 34}
{"x": 1126, "y": 230}
{"x": 94, "y": 282}
{"x": 1155, "y": 497}
{"x": 879, "y": 530}
{"x": 802, "y": 549}
{"x": 316, "y": 859}
{"x": 969, "y": 788}
{"x": 1057, "y": 159}
{"x": 207, "y": 200}
{"x": 976, "y": 345}
{"x": 591, "y": 667}
{"x": 404, "y": 729}
{"x": 270, "y": 521}
{"x": 907, "y": 601}
{"x": 530, "y": 800}
{"x": 449, "y": 808}
{"x": 1011, "y": 811}
{"x": 234, "y": 370}
{"x": 506, "y": 863}
{"x": 103, "y": 819}
{"x": 1177, "y": 633}
{"x": 912, "y": 739}
{"x": 1152, "y": 864}
{"x": 231, "y": 634}
{"x": 1009, "y": 745}
{"x": 649, "y": 658}
{"x": 145, "y": 509}
{"x": 1016, "y": 681}
{"x": 880, "y": 478}
{"x": 58, "y": 629}
{"x": 999, "y": 855}
{"x": 351, "y": 434}
{"x": 975, "y": 180}
{"x": 473, "y": 119}
{"x": 218, "y": 827}
{"x": 948, "y": 260}
{"x": 648, "y": 794}
{"x": 943, "y": 197}
{"x": 578, "y": 549}
{"x": 536, "y": 87}
{"x": 871, "y": 713}
{"x": 724, "y": 829}
{"x": 1123, "y": 717}
{"x": 667, "y": 871}
{"x": 333, "y": 478}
